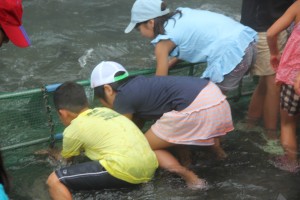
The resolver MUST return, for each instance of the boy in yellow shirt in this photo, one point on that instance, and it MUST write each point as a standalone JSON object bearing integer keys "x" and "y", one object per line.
{"x": 120, "y": 154}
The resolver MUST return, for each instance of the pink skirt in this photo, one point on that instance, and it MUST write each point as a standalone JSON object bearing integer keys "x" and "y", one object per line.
{"x": 208, "y": 116}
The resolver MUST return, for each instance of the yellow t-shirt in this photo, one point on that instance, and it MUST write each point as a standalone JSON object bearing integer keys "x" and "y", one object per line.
{"x": 115, "y": 141}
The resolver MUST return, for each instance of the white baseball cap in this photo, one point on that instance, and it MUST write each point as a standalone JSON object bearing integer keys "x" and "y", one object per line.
{"x": 144, "y": 10}
{"x": 104, "y": 73}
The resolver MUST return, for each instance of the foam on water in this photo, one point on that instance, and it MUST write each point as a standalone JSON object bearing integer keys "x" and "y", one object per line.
{"x": 83, "y": 59}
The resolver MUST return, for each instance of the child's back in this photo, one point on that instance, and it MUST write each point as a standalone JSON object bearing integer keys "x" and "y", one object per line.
{"x": 115, "y": 141}
{"x": 151, "y": 97}
{"x": 200, "y": 40}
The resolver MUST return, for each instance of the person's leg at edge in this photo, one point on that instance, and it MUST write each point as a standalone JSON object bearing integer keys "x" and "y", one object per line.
{"x": 57, "y": 190}
{"x": 265, "y": 103}
{"x": 271, "y": 108}
{"x": 183, "y": 154}
{"x": 168, "y": 162}
{"x": 220, "y": 153}
{"x": 288, "y": 135}
{"x": 256, "y": 104}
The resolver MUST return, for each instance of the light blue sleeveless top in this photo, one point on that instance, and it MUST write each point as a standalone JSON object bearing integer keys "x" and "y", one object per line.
{"x": 204, "y": 36}
{"x": 3, "y": 195}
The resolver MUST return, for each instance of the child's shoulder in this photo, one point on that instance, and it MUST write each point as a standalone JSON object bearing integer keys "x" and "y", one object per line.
{"x": 104, "y": 110}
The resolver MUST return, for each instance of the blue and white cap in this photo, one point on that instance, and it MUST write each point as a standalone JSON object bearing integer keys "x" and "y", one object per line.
{"x": 144, "y": 10}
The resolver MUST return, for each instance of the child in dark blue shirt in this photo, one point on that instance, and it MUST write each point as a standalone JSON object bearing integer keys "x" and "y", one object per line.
{"x": 187, "y": 110}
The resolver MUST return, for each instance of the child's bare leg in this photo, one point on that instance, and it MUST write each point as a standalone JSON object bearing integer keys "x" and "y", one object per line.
{"x": 57, "y": 190}
{"x": 183, "y": 154}
{"x": 271, "y": 134}
{"x": 288, "y": 135}
{"x": 265, "y": 102}
{"x": 251, "y": 122}
{"x": 256, "y": 105}
{"x": 271, "y": 108}
{"x": 167, "y": 161}
{"x": 218, "y": 149}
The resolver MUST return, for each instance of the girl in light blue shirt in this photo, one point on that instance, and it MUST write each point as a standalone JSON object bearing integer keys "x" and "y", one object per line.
{"x": 196, "y": 36}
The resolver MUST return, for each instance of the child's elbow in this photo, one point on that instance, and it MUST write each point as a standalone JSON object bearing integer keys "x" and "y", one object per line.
{"x": 270, "y": 34}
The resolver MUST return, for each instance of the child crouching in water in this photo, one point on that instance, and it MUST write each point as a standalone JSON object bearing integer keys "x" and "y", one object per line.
{"x": 120, "y": 155}
{"x": 188, "y": 110}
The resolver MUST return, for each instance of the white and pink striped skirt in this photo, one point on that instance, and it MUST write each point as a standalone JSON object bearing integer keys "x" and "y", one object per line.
{"x": 208, "y": 116}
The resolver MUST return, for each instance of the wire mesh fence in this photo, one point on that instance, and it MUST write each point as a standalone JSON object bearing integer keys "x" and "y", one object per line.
{"x": 28, "y": 117}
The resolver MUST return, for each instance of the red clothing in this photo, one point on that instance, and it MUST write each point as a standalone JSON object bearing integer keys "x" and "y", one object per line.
{"x": 289, "y": 65}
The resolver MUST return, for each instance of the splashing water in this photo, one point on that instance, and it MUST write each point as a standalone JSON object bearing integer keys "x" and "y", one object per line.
{"x": 83, "y": 59}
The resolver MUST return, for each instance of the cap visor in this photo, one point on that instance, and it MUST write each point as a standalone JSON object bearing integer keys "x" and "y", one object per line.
{"x": 130, "y": 27}
{"x": 17, "y": 35}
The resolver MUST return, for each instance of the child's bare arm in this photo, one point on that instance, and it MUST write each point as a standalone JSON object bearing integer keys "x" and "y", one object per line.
{"x": 162, "y": 50}
{"x": 54, "y": 154}
{"x": 173, "y": 61}
{"x": 281, "y": 24}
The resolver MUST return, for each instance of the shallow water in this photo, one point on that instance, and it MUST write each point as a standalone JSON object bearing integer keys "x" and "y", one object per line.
{"x": 247, "y": 173}
{"x": 68, "y": 39}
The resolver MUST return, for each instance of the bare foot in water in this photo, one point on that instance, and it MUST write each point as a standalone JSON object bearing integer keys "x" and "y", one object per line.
{"x": 270, "y": 134}
{"x": 198, "y": 184}
{"x": 219, "y": 152}
{"x": 193, "y": 181}
{"x": 284, "y": 163}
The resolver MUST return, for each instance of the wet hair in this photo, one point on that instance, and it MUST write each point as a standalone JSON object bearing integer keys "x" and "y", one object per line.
{"x": 99, "y": 91}
{"x": 4, "y": 180}
{"x": 70, "y": 96}
{"x": 159, "y": 22}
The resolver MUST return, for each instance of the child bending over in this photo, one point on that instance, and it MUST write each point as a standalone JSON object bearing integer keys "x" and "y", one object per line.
{"x": 120, "y": 154}
{"x": 227, "y": 46}
{"x": 188, "y": 110}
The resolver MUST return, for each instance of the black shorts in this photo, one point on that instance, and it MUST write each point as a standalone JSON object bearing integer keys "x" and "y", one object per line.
{"x": 89, "y": 176}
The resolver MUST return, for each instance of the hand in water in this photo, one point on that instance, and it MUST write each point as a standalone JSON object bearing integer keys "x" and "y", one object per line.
{"x": 54, "y": 157}
{"x": 54, "y": 153}
{"x": 199, "y": 184}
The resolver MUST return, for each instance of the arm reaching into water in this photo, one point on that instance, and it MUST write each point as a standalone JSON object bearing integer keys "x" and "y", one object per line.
{"x": 53, "y": 152}
{"x": 54, "y": 156}
{"x": 173, "y": 61}
{"x": 162, "y": 50}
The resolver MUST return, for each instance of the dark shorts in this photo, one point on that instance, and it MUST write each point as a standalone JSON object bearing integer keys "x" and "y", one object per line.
{"x": 289, "y": 100}
{"x": 89, "y": 176}
{"x": 232, "y": 80}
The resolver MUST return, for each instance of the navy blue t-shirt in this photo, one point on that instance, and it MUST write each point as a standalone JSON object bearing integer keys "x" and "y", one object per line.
{"x": 151, "y": 97}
